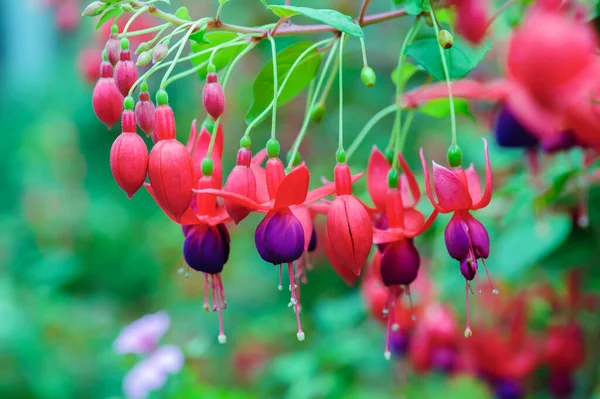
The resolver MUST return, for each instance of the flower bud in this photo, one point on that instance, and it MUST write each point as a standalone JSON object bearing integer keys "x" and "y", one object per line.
{"x": 213, "y": 96}
{"x": 368, "y": 76}
{"x": 106, "y": 99}
{"x": 126, "y": 73}
{"x": 142, "y": 47}
{"x": 143, "y": 59}
{"x": 318, "y": 113}
{"x": 445, "y": 39}
{"x": 144, "y": 112}
{"x": 160, "y": 52}
{"x": 93, "y": 9}
{"x": 113, "y": 50}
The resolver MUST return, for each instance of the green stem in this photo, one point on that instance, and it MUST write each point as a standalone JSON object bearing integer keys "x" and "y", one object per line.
{"x": 146, "y": 31}
{"x": 414, "y": 29}
{"x": 133, "y": 17}
{"x": 181, "y": 47}
{"x": 309, "y": 96}
{"x": 448, "y": 83}
{"x": 404, "y": 132}
{"x": 341, "y": 94}
{"x": 158, "y": 35}
{"x": 200, "y": 66}
{"x": 364, "y": 52}
{"x": 329, "y": 83}
{"x": 224, "y": 85}
{"x": 260, "y": 117}
{"x": 275, "y": 82}
{"x": 367, "y": 128}
{"x": 306, "y": 121}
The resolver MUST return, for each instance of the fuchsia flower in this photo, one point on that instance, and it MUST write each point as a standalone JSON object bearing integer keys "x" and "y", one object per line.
{"x": 459, "y": 192}
{"x": 399, "y": 223}
{"x": 280, "y": 236}
{"x": 472, "y": 19}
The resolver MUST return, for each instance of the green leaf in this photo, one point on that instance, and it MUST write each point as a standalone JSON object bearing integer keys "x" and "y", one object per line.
{"x": 301, "y": 77}
{"x": 462, "y": 58}
{"x": 162, "y": 1}
{"x": 110, "y": 14}
{"x": 416, "y": 7}
{"x": 223, "y": 1}
{"x": 330, "y": 17}
{"x": 199, "y": 35}
{"x": 264, "y": 2}
{"x": 222, "y": 57}
{"x": 408, "y": 70}
{"x": 183, "y": 13}
{"x": 440, "y": 108}
{"x": 552, "y": 193}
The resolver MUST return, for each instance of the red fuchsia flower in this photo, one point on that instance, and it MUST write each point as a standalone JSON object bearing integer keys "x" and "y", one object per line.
{"x": 144, "y": 112}
{"x": 241, "y": 181}
{"x": 164, "y": 119}
{"x": 341, "y": 270}
{"x": 213, "y": 97}
{"x": 113, "y": 49}
{"x": 349, "y": 222}
{"x": 126, "y": 73}
{"x": 280, "y": 237}
{"x": 89, "y": 61}
{"x": 551, "y": 74}
{"x": 472, "y": 19}
{"x": 106, "y": 98}
{"x": 459, "y": 192}
{"x": 129, "y": 156}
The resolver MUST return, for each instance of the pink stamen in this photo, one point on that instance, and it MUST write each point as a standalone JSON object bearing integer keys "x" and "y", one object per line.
{"x": 295, "y": 301}
{"x": 468, "y": 331}
{"x": 391, "y": 305}
{"x": 222, "y": 291}
{"x": 410, "y": 304}
{"x": 280, "y": 286}
{"x": 494, "y": 289}
{"x": 214, "y": 294}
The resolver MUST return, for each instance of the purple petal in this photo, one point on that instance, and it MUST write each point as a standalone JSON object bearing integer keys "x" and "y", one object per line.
{"x": 168, "y": 359}
{"x": 510, "y": 133}
{"x": 457, "y": 239}
{"x": 400, "y": 263}
{"x": 142, "y": 379}
{"x": 312, "y": 244}
{"x": 479, "y": 237}
{"x": 468, "y": 269}
{"x": 206, "y": 249}
{"x": 142, "y": 336}
{"x": 279, "y": 237}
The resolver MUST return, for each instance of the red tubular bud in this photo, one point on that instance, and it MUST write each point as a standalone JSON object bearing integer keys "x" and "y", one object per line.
{"x": 113, "y": 50}
{"x": 126, "y": 73}
{"x": 213, "y": 96}
{"x": 275, "y": 174}
{"x": 241, "y": 181}
{"x": 129, "y": 157}
{"x": 164, "y": 123}
{"x": 106, "y": 99}
{"x": 342, "y": 179}
{"x": 144, "y": 112}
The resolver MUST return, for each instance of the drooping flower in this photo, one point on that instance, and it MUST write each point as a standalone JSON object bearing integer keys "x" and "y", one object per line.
{"x": 213, "y": 97}
{"x": 144, "y": 112}
{"x": 241, "y": 181}
{"x": 349, "y": 222}
{"x": 280, "y": 237}
{"x": 472, "y": 19}
{"x": 142, "y": 336}
{"x": 106, "y": 98}
{"x": 126, "y": 72}
{"x": 459, "y": 192}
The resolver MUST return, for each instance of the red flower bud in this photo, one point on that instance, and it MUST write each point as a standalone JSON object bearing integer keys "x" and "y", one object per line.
{"x": 349, "y": 222}
{"x": 126, "y": 73}
{"x": 213, "y": 96}
{"x": 171, "y": 176}
{"x": 106, "y": 99}
{"x": 241, "y": 181}
{"x": 129, "y": 157}
{"x": 344, "y": 272}
{"x": 89, "y": 61}
{"x": 113, "y": 50}
{"x": 144, "y": 112}
{"x": 164, "y": 123}
{"x": 67, "y": 15}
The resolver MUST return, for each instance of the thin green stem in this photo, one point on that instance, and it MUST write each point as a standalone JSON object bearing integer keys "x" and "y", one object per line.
{"x": 181, "y": 47}
{"x": 404, "y": 132}
{"x": 367, "y": 128}
{"x": 329, "y": 83}
{"x": 300, "y": 58}
{"x": 341, "y": 94}
{"x": 309, "y": 96}
{"x": 411, "y": 34}
{"x": 275, "y": 93}
{"x": 133, "y": 17}
{"x": 306, "y": 121}
{"x": 448, "y": 83}
{"x": 364, "y": 52}
{"x": 202, "y": 65}
{"x": 158, "y": 35}
{"x": 218, "y": 16}
{"x": 146, "y": 31}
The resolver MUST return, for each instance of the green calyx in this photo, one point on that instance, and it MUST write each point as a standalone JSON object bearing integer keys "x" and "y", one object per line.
{"x": 142, "y": 47}
{"x": 389, "y": 155}
{"x": 124, "y": 44}
{"x": 454, "y": 156}
{"x": 273, "y": 148}
{"x": 340, "y": 155}
{"x": 245, "y": 142}
{"x": 207, "y": 166}
{"x": 318, "y": 113}
{"x": 144, "y": 87}
{"x": 211, "y": 68}
{"x": 368, "y": 76}
{"x": 114, "y": 29}
{"x": 393, "y": 178}
{"x": 128, "y": 103}
{"x": 162, "y": 98}
{"x": 209, "y": 123}
{"x": 297, "y": 158}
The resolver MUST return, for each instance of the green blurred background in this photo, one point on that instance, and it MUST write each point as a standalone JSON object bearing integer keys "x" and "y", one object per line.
{"x": 79, "y": 261}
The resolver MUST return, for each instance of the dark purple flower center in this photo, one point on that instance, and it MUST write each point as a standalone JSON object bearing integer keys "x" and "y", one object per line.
{"x": 509, "y": 389}
{"x": 312, "y": 244}
{"x": 510, "y": 133}
{"x": 206, "y": 248}
{"x": 279, "y": 237}
{"x": 468, "y": 268}
{"x": 400, "y": 263}
{"x": 443, "y": 359}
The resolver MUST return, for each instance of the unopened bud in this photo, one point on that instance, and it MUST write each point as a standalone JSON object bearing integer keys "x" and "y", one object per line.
{"x": 317, "y": 113}
{"x": 368, "y": 76}
{"x": 127, "y": 7}
{"x": 445, "y": 39}
{"x": 93, "y": 9}
{"x": 143, "y": 59}
{"x": 142, "y": 47}
{"x": 160, "y": 52}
